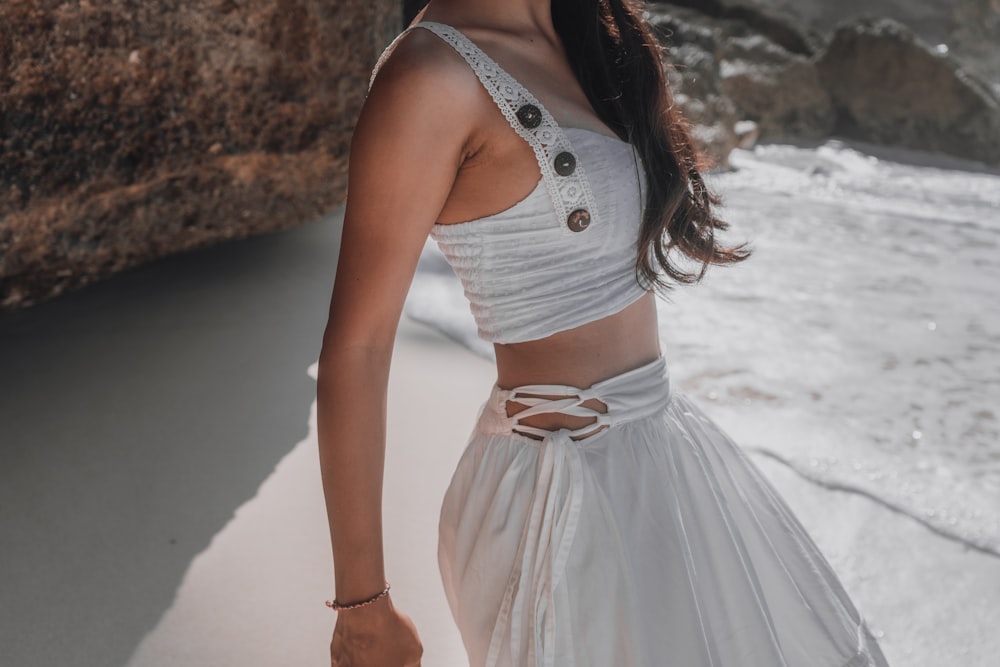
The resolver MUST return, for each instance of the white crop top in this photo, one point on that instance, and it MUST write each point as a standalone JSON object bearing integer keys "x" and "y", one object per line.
{"x": 563, "y": 256}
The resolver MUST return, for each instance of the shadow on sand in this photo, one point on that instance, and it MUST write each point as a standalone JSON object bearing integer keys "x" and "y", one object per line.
{"x": 135, "y": 417}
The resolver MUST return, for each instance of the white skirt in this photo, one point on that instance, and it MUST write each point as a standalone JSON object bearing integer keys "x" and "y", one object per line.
{"x": 654, "y": 542}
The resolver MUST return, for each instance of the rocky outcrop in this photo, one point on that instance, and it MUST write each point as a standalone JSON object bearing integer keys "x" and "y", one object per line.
{"x": 970, "y": 29}
{"x": 779, "y": 90}
{"x": 693, "y": 73}
{"x": 725, "y": 70}
{"x": 131, "y": 130}
{"x": 777, "y": 26}
{"x": 875, "y": 81}
{"x": 891, "y": 88}
{"x": 974, "y": 39}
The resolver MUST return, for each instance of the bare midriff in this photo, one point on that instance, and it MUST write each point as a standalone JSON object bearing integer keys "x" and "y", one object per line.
{"x": 580, "y": 358}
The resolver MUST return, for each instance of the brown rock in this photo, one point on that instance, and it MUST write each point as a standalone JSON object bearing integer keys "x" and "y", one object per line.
{"x": 759, "y": 18}
{"x": 726, "y": 71}
{"x": 975, "y": 36}
{"x": 778, "y": 89}
{"x": 693, "y": 74}
{"x": 766, "y": 69}
{"x": 969, "y": 28}
{"x": 129, "y": 131}
{"x": 891, "y": 88}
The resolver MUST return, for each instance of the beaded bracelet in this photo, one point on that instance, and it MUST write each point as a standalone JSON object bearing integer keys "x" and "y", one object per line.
{"x": 339, "y": 606}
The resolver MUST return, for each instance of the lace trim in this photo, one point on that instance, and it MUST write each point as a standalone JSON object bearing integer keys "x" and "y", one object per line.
{"x": 547, "y": 140}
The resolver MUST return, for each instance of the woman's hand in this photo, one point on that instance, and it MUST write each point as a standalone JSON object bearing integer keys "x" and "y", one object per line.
{"x": 375, "y": 636}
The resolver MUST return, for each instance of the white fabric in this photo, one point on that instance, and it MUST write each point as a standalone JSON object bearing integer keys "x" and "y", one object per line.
{"x": 525, "y": 273}
{"x": 654, "y": 542}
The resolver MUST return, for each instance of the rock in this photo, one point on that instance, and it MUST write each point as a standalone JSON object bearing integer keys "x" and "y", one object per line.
{"x": 726, "y": 71}
{"x": 777, "y": 26}
{"x": 693, "y": 75}
{"x": 974, "y": 38}
{"x": 970, "y": 28}
{"x": 747, "y": 134}
{"x": 889, "y": 87}
{"x": 778, "y": 89}
{"x": 875, "y": 81}
{"x": 129, "y": 131}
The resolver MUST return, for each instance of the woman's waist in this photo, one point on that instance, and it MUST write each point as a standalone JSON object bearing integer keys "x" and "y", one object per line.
{"x": 541, "y": 409}
{"x": 584, "y": 355}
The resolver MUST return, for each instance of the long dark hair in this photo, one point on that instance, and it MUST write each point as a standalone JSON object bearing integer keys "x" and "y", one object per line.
{"x": 618, "y": 62}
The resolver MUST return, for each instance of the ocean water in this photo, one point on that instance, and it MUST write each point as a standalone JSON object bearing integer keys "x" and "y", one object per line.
{"x": 860, "y": 345}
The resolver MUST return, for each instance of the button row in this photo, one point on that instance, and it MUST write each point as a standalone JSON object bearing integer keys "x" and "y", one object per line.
{"x": 530, "y": 117}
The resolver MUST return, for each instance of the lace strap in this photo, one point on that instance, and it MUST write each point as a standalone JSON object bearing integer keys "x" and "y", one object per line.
{"x": 562, "y": 172}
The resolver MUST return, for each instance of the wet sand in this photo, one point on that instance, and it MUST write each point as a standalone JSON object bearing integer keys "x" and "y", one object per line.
{"x": 135, "y": 417}
{"x": 277, "y": 594}
{"x": 160, "y": 500}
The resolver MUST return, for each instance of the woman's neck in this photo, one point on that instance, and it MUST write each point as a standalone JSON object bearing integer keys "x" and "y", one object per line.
{"x": 522, "y": 17}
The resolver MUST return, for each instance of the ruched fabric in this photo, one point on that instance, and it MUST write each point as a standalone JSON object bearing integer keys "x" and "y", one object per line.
{"x": 654, "y": 542}
{"x": 527, "y": 277}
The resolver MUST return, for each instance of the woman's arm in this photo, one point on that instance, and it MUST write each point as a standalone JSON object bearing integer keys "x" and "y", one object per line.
{"x": 407, "y": 148}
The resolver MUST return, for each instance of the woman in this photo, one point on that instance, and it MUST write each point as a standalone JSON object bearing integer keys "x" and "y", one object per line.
{"x": 612, "y": 525}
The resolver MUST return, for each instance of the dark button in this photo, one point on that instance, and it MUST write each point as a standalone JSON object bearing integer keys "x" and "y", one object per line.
{"x": 530, "y": 116}
{"x": 578, "y": 220}
{"x": 565, "y": 164}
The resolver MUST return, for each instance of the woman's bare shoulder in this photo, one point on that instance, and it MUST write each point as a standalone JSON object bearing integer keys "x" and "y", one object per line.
{"x": 426, "y": 71}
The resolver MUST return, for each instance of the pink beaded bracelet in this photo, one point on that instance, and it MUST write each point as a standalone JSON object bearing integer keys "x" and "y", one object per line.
{"x": 339, "y": 606}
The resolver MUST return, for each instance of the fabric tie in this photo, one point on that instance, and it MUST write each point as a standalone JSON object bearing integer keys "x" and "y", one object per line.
{"x": 552, "y": 521}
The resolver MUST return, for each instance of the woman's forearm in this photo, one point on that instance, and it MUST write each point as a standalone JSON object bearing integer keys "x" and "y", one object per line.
{"x": 351, "y": 417}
